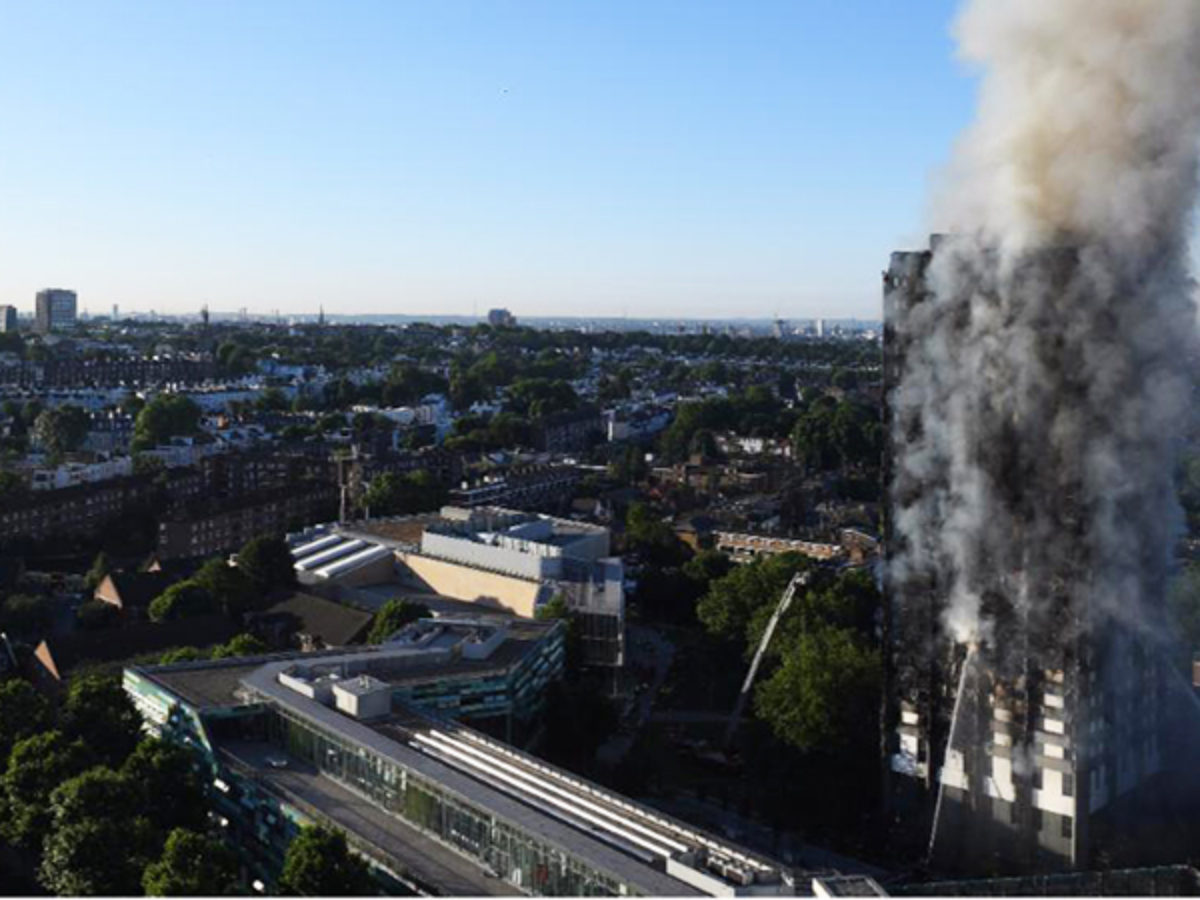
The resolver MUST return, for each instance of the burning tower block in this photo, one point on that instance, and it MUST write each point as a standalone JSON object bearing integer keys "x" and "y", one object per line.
{"x": 1024, "y": 706}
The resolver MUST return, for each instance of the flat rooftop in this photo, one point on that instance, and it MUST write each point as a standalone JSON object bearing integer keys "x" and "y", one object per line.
{"x": 631, "y": 843}
{"x": 215, "y": 683}
{"x": 407, "y": 530}
{"x": 263, "y": 682}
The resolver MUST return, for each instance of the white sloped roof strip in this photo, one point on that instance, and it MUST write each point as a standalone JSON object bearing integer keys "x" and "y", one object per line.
{"x": 313, "y": 546}
{"x": 332, "y": 553}
{"x": 357, "y": 560}
{"x": 526, "y": 786}
{"x": 572, "y": 797}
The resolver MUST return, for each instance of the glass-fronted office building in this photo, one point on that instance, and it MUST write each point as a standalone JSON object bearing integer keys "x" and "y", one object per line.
{"x": 376, "y": 742}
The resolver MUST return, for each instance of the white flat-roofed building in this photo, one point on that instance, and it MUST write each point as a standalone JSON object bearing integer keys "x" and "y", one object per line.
{"x": 501, "y": 559}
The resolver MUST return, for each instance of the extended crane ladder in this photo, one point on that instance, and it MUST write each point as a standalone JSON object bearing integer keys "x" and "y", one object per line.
{"x": 799, "y": 580}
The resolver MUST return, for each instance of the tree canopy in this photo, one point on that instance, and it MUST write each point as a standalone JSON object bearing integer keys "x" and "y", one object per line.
{"x": 823, "y": 676}
{"x": 182, "y": 600}
{"x": 62, "y": 429}
{"x": 832, "y": 434}
{"x": 101, "y": 567}
{"x": 393, "y": 616}
{"x": 165, "y": 417}
{"x": 99, "y": 712}
{"x": 393, "y": 494}
{"x": 36, "y": 766}
{"x": 24, "y": 712}
{"x": 267, "y": 562}
{"x": 319, "y": 864}
{"x": 26, "y": 614}
{"x": 192, "y": 865}
{"x": 166, "y": 785}
{"x": 231, "y": 589}
{"x": 98, "y": 857}
{"x": 652, "y": 539}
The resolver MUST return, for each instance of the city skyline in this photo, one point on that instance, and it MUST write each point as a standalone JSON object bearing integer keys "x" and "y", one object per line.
{"x": 420, "y": 159}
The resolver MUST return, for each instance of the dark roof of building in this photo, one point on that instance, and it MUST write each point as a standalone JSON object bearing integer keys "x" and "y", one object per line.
{"x": 118, "y": 644}
{"x": 334, "y": 623}
{"x": 214, "y": 683}
{"x": 137, "y": 589}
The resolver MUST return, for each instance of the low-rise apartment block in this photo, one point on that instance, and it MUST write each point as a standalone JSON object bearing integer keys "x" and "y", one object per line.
{"x": 207, "y": 529}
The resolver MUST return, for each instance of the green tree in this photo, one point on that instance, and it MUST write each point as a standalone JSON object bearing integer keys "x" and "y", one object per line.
{"x": 630, "y": 467}
{"x": 267, "y": 562}
{"x": 467, "y": 389}
{"x": 717, "y": 414}
{"x": 825, "y": 692}
{"x": 23, "y": 713}
{"x": 331, "y": 422}
{"x": 535, "y": 397}
{"x": 652, "y": 539}
{"x": 12, "y": 487}
{"x": 235, "y": 359}
{"x": 556, "y": 610}
{"x": 94, "y": 858}
{"x": 99, "y": 712}
{"x": 844, "y": 379}
{"x": 393, "y": 494}
{"x": 183, "y": 654}
{"x": 26, "y": 614}
{"x": 229, "y": 587}
{"x": 97, "y": 793}
{"x": 271, "y": 399}
{"x": 165, "y": 417}
{"x": 707, "y": 566}
{"x": 36, "y": 766}
{"x": 101, "y": 567}
{"x": 240, "y": 645}
{"x": 62, "y": 429}
{"x": 409, "y": 384}
{"x": 191, "y": 865}
{"x": 132, "y": 404}
{"x": 167, "y": 787}
{"x": 746, "y": 592}
{"x": 182, "y": 600}
{"x": 393, "y": 616}
{"x": 319, "y": 864}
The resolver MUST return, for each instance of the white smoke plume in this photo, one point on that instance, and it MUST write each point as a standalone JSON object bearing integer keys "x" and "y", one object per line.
{"x": 1050, "y": 379}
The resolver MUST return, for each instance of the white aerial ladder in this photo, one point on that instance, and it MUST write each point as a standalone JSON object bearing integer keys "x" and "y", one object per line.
{"x": 799, "y": 580}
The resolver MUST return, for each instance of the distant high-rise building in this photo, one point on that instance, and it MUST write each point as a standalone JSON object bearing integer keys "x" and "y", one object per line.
{"x": 116, "y": 312}
{"x": 501, "y": 318}
{"x": 8, "y": 319}
{"x": 55, "y": 309}
{"x": 819, "y": 328}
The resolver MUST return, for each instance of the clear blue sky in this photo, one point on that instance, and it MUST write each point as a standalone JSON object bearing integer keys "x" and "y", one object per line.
{"x": 646, "y": 158}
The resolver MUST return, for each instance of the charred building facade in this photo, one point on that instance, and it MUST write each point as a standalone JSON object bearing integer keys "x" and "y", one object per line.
{"x": 1022, "y": 710}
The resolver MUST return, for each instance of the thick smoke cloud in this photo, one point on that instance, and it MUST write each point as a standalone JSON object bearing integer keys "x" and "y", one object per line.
{"x": 1050, "y": 378}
